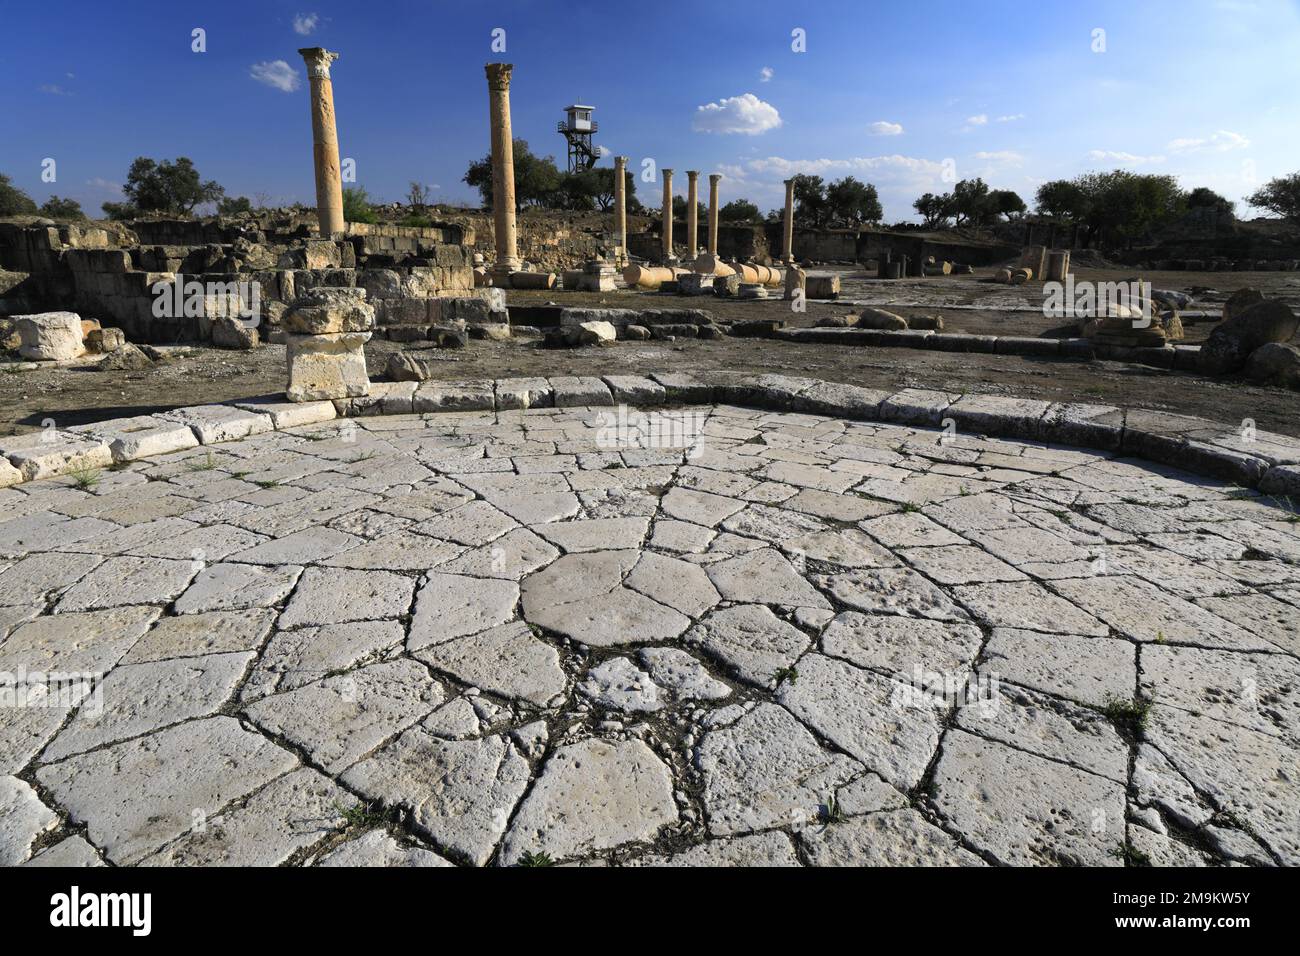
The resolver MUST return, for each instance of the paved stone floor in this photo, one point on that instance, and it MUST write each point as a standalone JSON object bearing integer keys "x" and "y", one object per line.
{"x": 758, "y": 638}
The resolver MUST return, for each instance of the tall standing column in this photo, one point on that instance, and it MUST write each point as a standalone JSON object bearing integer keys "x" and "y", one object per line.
{"x": 620, "y": 209}
{"x": 787, "y": 252}
{"x": 714, "y": 178}
{"x": 325, "y": 141}
{"x": 503, "y": 173}
{"x": 692, "y": 214}
{"x": 668, "y": 215}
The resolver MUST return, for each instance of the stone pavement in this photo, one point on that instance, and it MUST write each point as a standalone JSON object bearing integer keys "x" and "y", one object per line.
{"x": 711, "y": 635}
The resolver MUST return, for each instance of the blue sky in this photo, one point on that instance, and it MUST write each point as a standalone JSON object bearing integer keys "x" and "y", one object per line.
{"x": 892, "y": 93}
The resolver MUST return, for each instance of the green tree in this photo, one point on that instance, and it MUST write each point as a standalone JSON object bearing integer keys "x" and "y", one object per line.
{"x": 1280, "y": 195}
{"x": 173, "y": 188}
{"x": 537, "y": 178}
{"x": 1202, "y": 197}
{"x": 233, "y": 206}
{"x": 1004, "y": 202}
{"x": 417, "y": 196}
{"x": 739, "y": 210}
{"x": 1062, "y": 198}
{"x": 356, "y": 205}
{"x": 13, "y": 201}
{"x": 58, "y": 208}
{"x": 1123, "y": 206}
{"x": 935, "y": 210}
{"x": 679, "y": 210}
{"x": 855, "y": 201}
{"x": 970, "y": 202}
{"x": 810, "y": 199}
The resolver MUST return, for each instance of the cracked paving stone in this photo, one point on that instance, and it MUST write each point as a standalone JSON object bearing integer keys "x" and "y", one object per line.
{"x": 39, "y": 576}
{"x": 225, "y": 587}
{"x": 23, "y": 819}
{"x": 891, "y": 591}
{"x": 1156, "y": 783}
{"x": 511, "y": 556}
{"x": 848, "y": 548}
{"x": 759, "y": 849}
{"x": 448, "y": 606}
{"x": 609, "y": 619}
{"x": 751, "y": 641}
{"x": 72, "y": 851}
{"x": 81, "y": 642}
{"x": 1258, "y": 691}
{"x": 294, "y": 659}
{"x": 764, "y": 577}
{"x": 679, "y": 584}
{"x": 960, "y": 564}
{"x": 773, "y": 525}
{"x": 1160, "y": 850}
{"x": 897, "y": 838}
{"x": 766, "y": 770}
{"x": 871, "y": 717}
{"x": 129, "y": 581}
{"x": 288, "y": 815}
{"x": 618, "y": 684}
{"x": 197, "y": 635}
{"x": 1262, "y": 615}
{"x": 701, "y": 508}
{"x": 1141, "y": 611}
{"x": 402, "y": 550}
{"x": 929, "y": 654}
{"x": 1047, "y": 727}
{"x": 137, "y": 796}
{"x": 460, "y": 794}
{"x": 1027, "y": 606}
{"x": 473, "y": 524}
{"x": 592, "y": 795}
{"x": 681, "y": 675}
{"x": 336, "y": 596}
{"x": 506, "y": 660}
{"x": 340, "y": 719}
{"x": 301, "y": 547}
{"x": 138, "y": 699}
{"x": 1250, "y": 774}
{"x": 378, "y": 848}
{"x": 595, "y": 534}
{"x": 1026, "y": 810}
{"x": 1090, "y": 670}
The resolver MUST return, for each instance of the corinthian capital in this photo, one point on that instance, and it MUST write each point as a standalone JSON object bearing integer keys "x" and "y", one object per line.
{"x": 498, "y": 75}
{"x": 318, "y": 60}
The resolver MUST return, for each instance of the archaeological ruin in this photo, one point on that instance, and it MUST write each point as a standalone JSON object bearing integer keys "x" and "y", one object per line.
{"x": 647, "y": 528}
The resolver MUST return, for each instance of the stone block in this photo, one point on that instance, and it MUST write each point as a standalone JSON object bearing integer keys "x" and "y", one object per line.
{"x": 385, "y": 398}
{"x": 328, "y": 310}
{"x": 289, "y": 414}
{"x": 455, "y": 396}
{"x": 105, "y": 340}
{"x": 217, "y": 423}
{"x": 142, "y": 436}
{"x": 327, "y": 366}
{"x": 822, "y": 286}
{"x": 50, "y": 336}
{"x": 514, "y": 393}
{"x": 232, "y": 333}
{"x": 48, "y": 453}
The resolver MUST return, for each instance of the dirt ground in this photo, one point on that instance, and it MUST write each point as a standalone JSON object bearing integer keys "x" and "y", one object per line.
{"x": 198, "y": 375}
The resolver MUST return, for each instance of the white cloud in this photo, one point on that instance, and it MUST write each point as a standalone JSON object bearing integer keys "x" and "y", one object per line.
{"x": 981, "y": 120}
{"x": 104, "y": 185}
{"x": 1012, "y": 118}
{"x": 54, "y": 90}
{"x": 1005, "y": 156}
{"x": 1221, "y": 142}
{"x": 1124, "y": 159}
{"x": 745, "y": 114}
{"x": 305, "y": 23}
{"x": 275, "y": 73}
{"x": 886, "y": 128}
{"x": 765, "y": 74}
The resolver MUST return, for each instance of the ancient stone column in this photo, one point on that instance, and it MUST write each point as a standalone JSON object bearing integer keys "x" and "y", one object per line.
{"x": 620, "y": 208}
{"x": 325, "y": 141}
{"x": 787, "y": 250}
{"x": 714, "y": 179}
{"x": 503, "y": 173}
{"x": 692, "y": 214}
{"x": 668, "y": 215}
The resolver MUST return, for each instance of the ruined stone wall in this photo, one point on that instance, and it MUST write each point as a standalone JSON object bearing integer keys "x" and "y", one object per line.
{"x": 551, "y": 240}
{"x": 402, "y": 268}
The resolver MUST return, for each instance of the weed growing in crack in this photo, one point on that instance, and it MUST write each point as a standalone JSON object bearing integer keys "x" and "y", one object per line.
{"x": 536, "y": 859}
{"x": 85, "y": 478}
{"x": 1128, "y": 715}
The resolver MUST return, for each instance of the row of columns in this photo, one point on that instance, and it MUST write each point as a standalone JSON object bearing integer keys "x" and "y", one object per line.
{"x": 329, "y": 184}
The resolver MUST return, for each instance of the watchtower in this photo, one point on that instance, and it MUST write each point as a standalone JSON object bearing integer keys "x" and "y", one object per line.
{"x": 577, "y": 131}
